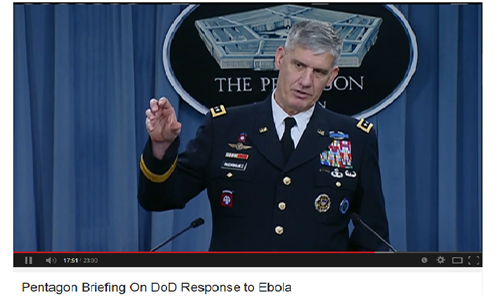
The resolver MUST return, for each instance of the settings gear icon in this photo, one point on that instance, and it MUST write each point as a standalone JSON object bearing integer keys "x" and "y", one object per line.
{"x": 440, "y": 260}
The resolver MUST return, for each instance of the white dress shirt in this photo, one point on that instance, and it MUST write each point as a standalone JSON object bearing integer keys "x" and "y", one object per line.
{"x": 301, "y": 118}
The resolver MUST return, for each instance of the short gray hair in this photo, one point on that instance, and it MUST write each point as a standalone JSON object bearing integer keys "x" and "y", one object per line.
{"x": 319, "y": 37}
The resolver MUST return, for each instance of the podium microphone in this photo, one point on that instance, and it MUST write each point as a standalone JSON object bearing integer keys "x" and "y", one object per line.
{"x": 193, "y": 224}
{"x": 355, "y": 218}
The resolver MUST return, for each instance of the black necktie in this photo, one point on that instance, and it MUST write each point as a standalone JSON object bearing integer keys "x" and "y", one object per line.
{"x": 286, "y": 140}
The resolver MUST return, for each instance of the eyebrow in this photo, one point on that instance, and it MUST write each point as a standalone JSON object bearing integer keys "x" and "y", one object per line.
{"x": 325, "y": 71}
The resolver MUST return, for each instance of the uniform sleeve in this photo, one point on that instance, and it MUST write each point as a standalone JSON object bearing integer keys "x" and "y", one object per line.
{"x": 171, "y": 182}
{"x": 369, "y": 202}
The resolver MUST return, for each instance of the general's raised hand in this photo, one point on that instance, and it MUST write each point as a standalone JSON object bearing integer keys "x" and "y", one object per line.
{"x": 161, "y": 122}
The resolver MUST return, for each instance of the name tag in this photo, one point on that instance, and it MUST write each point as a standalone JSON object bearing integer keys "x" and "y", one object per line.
{"x": 230, "y": 165}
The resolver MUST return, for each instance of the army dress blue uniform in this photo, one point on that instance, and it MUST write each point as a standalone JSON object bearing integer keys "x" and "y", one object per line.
{"x": 261, "y": 203}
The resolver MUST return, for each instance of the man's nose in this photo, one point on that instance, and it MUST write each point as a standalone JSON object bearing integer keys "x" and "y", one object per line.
{"x": 306, "y": 78}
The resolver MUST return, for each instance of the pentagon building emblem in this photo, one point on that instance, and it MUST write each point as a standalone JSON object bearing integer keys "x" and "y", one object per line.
{"x": 249, "y": 40}
{"x": 223, "y": 54}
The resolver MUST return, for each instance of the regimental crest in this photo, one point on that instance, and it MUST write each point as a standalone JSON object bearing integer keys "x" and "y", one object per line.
{"x": 242, "y": 138}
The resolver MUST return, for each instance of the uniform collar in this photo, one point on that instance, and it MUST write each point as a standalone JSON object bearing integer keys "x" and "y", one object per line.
{"x": 279, "y": 115}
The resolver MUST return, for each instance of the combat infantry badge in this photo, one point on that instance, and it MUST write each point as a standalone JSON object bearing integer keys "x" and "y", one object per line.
{"x": 338, "y": 135}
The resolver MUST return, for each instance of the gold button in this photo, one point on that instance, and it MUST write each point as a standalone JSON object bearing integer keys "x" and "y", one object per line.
{"x": 229, "y": 175}
{"x": 278, "y": 230}
{"x": 287, "y": 181}
{"x": 282, "y": 206}
{"x": 338, "y": 184}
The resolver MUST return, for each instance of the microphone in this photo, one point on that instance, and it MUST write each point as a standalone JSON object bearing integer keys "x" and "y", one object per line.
{"x": 356, "y": 218}
{"x": 193, "y": 224}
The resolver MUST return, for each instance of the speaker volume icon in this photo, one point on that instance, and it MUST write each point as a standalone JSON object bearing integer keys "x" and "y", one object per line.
{"x": 51, "y": 260}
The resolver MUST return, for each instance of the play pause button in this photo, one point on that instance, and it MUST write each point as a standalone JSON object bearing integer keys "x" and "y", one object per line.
{"x": 28, "y": 260}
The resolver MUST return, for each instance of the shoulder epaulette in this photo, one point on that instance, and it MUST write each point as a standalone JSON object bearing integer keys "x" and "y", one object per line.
{"x": 364, "y": 125}
{"x": 218, "y": 111}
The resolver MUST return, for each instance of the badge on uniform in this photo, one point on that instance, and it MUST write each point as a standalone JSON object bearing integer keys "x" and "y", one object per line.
{"x": 336, "y": 173}
{"x": 218, "y": 111}
{"x": 239, "y": 146}
{"x": 243, "y": 137}
{"x": 344, "y": 206}
{"x": 364, "y": 125}
{"x": 338, "y": 135}
{"x": 326, "y": 170}
{"x": 338, "y": 155}
{"x": 350, "y": 174}
{"x": 227, "y": 198}
{"x": 237, "y": 155}
{"x": 322, "y": 203}
{"x": 234, "y": 165}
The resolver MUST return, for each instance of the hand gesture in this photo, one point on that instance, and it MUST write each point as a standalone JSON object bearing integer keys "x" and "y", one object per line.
{"x": 161, "y": 122}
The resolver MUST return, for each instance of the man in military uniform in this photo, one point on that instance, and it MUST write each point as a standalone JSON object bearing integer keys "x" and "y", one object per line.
{"x": 283, "y": 174}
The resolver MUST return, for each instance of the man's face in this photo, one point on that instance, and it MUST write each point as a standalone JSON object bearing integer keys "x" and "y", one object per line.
{"x": 302, "y": 78}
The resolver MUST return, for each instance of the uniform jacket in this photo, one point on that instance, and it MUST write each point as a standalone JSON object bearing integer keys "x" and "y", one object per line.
{"x": 261, "y": 203}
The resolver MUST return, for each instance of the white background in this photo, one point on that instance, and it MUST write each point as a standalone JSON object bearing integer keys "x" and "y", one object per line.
{"x": 313, "y": 281}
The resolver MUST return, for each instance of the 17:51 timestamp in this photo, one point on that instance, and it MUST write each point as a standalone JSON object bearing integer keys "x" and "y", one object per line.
{"x": 76, "y": 260}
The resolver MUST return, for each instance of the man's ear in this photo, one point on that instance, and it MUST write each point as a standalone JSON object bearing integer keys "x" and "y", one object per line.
{"x": 333, "y": 75}
{"x": 278, "y": 57}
